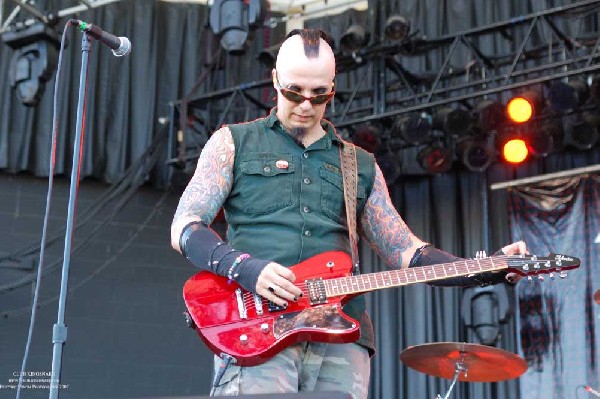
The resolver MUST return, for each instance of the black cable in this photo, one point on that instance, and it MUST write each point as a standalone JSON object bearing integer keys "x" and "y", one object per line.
{"x": 47, "y": 211}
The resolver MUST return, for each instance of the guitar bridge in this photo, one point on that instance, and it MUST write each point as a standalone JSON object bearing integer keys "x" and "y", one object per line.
{"x": 316, "y": 291}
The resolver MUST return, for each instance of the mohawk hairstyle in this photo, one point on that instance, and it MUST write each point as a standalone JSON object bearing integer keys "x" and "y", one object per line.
{"x": 310, "y": 38}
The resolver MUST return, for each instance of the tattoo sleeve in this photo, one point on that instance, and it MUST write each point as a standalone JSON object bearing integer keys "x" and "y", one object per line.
{"x": 384, "y": 229}
{"x": 210, "y": 185}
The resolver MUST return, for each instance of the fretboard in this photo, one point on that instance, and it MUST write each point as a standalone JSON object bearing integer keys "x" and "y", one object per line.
{"x": 396, "y": 278}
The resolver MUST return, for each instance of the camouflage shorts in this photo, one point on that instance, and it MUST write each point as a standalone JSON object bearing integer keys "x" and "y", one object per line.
{"x": 299, "y": 368}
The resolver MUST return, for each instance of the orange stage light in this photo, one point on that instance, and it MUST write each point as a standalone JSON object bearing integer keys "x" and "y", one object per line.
{"x": 515, "y": 151}
{"x": 519, "y": 110}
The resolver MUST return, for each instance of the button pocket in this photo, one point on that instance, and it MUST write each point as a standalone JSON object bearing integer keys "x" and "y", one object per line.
{"x": 332, "y": 195}
{"x": 266, "y": 186}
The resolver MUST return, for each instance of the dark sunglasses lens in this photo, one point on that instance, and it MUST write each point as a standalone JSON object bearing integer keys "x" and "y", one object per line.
{"x": 292, "y": 96}
{"x": 320, "y": 99}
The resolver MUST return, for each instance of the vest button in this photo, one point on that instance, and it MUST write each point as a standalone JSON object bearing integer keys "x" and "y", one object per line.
{"x": 306, "y": 180}
{"x": 305, "y": 155}
{"x": 267, "y": 169}
{"x": 307, "y": 233}
{"x": 306, "y": 209}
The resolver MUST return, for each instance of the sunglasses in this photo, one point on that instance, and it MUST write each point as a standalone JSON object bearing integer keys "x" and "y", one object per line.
{"x": 296, "y": 97}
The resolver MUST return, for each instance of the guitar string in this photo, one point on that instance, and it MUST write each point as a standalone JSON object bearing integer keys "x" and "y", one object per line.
{"x": 249, "y": 301}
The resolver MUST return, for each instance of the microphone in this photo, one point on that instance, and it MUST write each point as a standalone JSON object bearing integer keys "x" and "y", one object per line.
{"x": 592, "y": 391}
{"x": 120, "y": 45}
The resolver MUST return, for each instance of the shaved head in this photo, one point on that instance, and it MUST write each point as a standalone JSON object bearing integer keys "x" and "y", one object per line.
{"x": 307, "y": 47}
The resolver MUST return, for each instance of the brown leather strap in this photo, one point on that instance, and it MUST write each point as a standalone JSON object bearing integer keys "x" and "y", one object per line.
{"x": 350, "y": 183}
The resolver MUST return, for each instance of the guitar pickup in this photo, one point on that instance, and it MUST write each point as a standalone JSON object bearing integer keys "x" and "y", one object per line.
{"x": 317, "y": 294}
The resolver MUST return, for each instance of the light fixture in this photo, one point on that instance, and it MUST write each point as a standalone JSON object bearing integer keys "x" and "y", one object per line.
{"x": 475, "y": 153}
{"x": 397, "y": 27}
{"x": 581, "y": 131}
{"x": 33, "y": 61}
{"x": 453, "y": 121}
{"x": 488, "y": 115}
{"x": 414, "y": 128}
{"x": 523, "y": 107}
{"x": 367, "y": 137}
{"x": 234, "y": 21}
{"x": 435, "y": 158}
{"x": 355, "y": 38}
{"x": 268, "y": 56}
{"x": 567, "y": 96}
{"x": 540, "y": 140}
{"x": 515, "y": 151}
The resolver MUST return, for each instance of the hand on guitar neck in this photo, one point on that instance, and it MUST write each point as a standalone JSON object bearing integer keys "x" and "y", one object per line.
{"x": 515, "y": 248}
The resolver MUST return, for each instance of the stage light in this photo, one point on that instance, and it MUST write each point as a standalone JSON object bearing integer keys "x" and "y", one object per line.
{"x": 454, "y": 121}
{"x": 391, "y": 166}
{"x": 488, "y": 115}
{"x": 581, "y": 132}
{"x": 515, "y": 151}
{"x": 397, "y": 27}
{"x": 367, "y": 137}
{"x": 355, "y": 38}
{"x": 415, "y": 129}
{"x": 522, "y": 108}
{"x": 565, "y": 97}
{"x": 33, "y": 61}
{"x": 268, "y": 56}
{"x": 435, "y": 158}
{"x": 539, "y": 141}
{"x": 235, "y": 20}
{"x": 519, "y": 110}
{"x": 475, "y": 153}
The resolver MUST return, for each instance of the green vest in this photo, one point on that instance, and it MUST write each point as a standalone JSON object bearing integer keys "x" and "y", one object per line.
{"x": 287, "y": 203}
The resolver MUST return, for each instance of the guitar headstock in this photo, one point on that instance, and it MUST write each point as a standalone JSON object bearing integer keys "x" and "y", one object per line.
{"x": 529, "y": 265}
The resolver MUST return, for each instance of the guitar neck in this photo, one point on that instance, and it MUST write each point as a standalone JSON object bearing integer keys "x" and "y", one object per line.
{"x": 397, "y": 278}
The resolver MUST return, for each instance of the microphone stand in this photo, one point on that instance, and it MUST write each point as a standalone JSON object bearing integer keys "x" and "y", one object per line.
{"x": 59, "y": 331}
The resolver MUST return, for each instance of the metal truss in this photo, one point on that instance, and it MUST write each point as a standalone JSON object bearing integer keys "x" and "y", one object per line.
{"x": 397, "y": 91}
{"x": 9, "y": 23}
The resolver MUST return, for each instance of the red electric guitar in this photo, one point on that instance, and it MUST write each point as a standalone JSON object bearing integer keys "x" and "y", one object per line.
{"x": 243, "y": 325}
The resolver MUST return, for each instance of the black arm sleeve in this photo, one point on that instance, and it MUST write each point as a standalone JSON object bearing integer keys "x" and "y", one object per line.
{"x": 205, "y": 249}
{"x": 429, "y": 255}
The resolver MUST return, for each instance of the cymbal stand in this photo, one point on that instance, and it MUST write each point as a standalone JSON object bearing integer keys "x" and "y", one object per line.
{"x": 459, "y": 367}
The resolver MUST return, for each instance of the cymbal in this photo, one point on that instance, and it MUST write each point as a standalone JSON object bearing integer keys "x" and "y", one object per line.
{"x": 484, "y": 363}
{"x": 597, "y": 297}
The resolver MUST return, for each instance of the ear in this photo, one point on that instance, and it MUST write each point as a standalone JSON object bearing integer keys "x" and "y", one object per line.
{"x": 273, "y": 72}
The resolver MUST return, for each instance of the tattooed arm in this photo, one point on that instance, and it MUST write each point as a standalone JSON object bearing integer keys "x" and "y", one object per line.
{"x": 384, "y": 229}
{"x": 209, "y": 187}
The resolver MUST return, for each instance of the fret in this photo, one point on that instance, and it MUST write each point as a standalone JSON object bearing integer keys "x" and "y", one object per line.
{"x": 430, "y": 273}
{"x": 410, "y": 276}
{"x": 452, "y": 269}
{"x": 419, "y": 274}
{"x": 444, "y": 269}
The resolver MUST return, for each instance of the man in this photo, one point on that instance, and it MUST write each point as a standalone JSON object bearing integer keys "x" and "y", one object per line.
{"x": 279, "y": 181}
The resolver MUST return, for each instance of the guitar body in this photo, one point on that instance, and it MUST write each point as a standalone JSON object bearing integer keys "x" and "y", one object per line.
{"x": 251, "y": 336}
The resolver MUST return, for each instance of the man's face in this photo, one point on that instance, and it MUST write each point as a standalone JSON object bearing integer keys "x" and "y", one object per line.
{"x": 296, "y": 84}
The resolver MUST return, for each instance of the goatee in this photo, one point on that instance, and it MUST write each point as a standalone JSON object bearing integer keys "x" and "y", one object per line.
{"x": 298, "y": 133}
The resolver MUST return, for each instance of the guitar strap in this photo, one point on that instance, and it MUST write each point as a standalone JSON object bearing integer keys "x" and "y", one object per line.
{"x": 350, "y": 183}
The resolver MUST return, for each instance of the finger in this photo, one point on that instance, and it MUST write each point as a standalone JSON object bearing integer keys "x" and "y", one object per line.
{"x": 286, "y": 290}
{"x": 271, "y": 295}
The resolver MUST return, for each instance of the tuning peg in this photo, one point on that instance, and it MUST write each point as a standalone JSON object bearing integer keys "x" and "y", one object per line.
{"x": 551, "y": 275}
{"x": 529, "y": 278}
{"x": 562, "y": 274}
{"x": 540, "y": 278}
